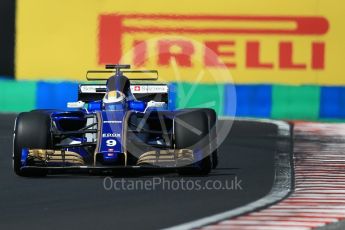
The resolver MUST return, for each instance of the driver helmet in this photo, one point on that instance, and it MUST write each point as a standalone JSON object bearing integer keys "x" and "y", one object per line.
{"x": 114, "y": 100}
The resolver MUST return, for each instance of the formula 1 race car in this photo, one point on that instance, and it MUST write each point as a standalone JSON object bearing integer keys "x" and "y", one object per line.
{"x": 124, "y": 123}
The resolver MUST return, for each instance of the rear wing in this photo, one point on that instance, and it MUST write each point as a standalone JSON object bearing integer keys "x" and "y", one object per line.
{"x": 141, "y": 91}
{"x": 99, "y": 75}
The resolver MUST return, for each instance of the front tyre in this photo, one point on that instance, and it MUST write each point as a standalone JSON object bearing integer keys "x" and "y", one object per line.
{"x": 32, "y": 130}
{"x": 192, "y": 131}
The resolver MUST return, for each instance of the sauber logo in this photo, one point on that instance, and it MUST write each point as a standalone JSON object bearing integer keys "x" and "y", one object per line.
{"x": 221, "y": 34}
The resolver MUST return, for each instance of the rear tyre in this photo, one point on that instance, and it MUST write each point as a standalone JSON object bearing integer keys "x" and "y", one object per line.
{"x": 32, "y": 130}
{"x": 192, "y": 131}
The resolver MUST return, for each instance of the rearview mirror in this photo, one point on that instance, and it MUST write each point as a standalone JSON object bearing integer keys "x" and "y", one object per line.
{"x": 76, "y": 105}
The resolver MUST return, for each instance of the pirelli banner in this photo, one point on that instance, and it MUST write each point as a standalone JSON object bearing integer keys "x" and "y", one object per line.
{"x": 266, "y": 41}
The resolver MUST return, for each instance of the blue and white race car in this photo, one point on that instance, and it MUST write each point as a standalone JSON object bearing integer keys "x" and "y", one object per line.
{"x": 118, "y": 125}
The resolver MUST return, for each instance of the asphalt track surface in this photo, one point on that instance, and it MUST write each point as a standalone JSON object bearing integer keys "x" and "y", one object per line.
{"x": 82, "y": 202}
